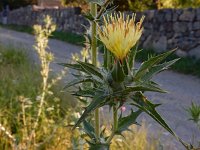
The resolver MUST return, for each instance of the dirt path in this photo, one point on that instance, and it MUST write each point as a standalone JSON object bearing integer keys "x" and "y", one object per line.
{"x": 183, "y": 89}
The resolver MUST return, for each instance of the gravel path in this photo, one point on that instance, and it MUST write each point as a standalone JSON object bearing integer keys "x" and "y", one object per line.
{"x": 183, "y": 89}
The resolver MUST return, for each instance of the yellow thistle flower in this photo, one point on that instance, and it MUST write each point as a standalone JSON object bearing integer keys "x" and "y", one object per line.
{"x": 120, "y": 35}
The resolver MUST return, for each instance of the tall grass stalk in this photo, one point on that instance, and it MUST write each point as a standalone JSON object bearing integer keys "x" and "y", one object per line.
{"x": 93, "y": 11}
{"x": 8, "y": 134}
{"x": 42, "y": 34}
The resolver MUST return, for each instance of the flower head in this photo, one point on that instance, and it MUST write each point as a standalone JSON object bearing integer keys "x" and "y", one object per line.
{"x": 120, "y": 35}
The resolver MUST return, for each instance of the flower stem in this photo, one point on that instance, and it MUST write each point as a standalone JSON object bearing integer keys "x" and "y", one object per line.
{"x": 115, "y": 118}
{"x": 93, "y": 11}
{"x": 115, "y": 124}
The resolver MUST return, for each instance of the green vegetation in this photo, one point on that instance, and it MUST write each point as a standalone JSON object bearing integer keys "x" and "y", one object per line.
{"x": 194, "y": 113}
{"x": 59, "y": 35}
{"x": 13, "y": 4}
{"x": 139, "y": 5}
{"x": 20, "y": 88}
{"x": 187, "y": 65}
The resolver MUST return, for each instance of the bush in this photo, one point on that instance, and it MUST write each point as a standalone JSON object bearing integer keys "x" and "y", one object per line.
{"x": 14, "y": 4}
{"x": 141, "y": 5}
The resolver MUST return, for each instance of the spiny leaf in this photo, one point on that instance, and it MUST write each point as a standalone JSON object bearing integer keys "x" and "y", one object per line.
{"x": 156, "y": 69}
{"x": 91, "y": 69}
{"x": 77, "y": 67}
{"x": 89, "y": 130}
{"x": 145, "y": 105}
{"x": 125, "y": 122}
{"x": 144, "y": 88}
{"x": 85, "y": 93}
{"x": 146, "y": 66}
{"x": 78, "y": 81}
{"x": 98, "y": 100}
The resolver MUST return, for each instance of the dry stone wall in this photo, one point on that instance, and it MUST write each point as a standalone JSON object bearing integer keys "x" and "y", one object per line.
{"x": 172, "y": 28}
{"x": 67, "y": 19}
{"x": 163, "y": 29}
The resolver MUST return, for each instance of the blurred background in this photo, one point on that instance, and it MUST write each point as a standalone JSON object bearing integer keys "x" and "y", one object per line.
{"x": 135, "y": 5}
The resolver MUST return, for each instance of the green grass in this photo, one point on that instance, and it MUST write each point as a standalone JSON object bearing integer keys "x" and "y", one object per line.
{"x": 194, "y": 113}
{"x": 186, "y": 65}
{"x": 20, "y": 83}
{"x": 59, "y": 35}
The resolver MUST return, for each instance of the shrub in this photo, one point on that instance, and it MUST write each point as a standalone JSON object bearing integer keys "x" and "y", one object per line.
{"x": 14, "y": 4}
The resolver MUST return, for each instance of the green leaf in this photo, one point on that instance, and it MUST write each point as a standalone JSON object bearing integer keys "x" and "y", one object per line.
{"x": 84, "y": 67}
{"x": 98, "y": 101}
{"x": 144, "y": 88}
{"x": 84, "y": 93}
{"x": 89, "y": 130}
{"x": 78, "y": 81}
{"x": 77, "y": 67}
{"x": 89, "y": 16}
{"x": 99, "y": 2}
{"x": 147, "y": 65}
{"x": 91, "y": 69}
{"x": 156, "y": 69}
{"x": 125, "y": 122}
{"x": 99, "y": 146}
{"x": 141, "y": 102}
{"x": 145, "y": 105}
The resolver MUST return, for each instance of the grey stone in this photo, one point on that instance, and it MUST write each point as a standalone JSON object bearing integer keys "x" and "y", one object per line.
{"x": 186, "y": 43}
{"x": 180, "y": 26}
{"x": 168, "y": 15}
{"x": 149, "y": 14}
{"x": 148, "y": 42}
{"x": 198, "y": 14}
{"x": 197, "y": 33}
{"x": 196, "y": 25}
{"x": 181, "y": 53}
{"x": 161, "y": 44}
{"x": 195, "y": 52}
{"x": 187, "y": 15}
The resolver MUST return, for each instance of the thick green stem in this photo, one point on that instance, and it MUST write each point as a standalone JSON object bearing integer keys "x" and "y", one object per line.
{"x": 115, "y": 124}
{"x": 115, "y": 118}
{"x": 93, "y": 11}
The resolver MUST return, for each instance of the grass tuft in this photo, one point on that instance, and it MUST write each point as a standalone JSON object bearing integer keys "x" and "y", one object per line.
{"x": 187, "y": 65}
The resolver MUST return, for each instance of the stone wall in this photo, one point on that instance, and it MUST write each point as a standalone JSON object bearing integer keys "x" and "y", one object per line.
{"x": 163, "y": 29}
{"x": 173, "y": 28}
{"x": 67, "y": 19}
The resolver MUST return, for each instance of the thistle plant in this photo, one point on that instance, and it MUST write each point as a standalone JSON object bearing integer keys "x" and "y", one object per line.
{"x": 117, "y": 82}
{"x": 194, "y": 112}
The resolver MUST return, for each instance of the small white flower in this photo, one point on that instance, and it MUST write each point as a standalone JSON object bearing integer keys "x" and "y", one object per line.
{"x": 77, "y": 115}
{"x": 50, "y": 92}
{"x": 38, "y": 98}
{"x": 50, "y": 109}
